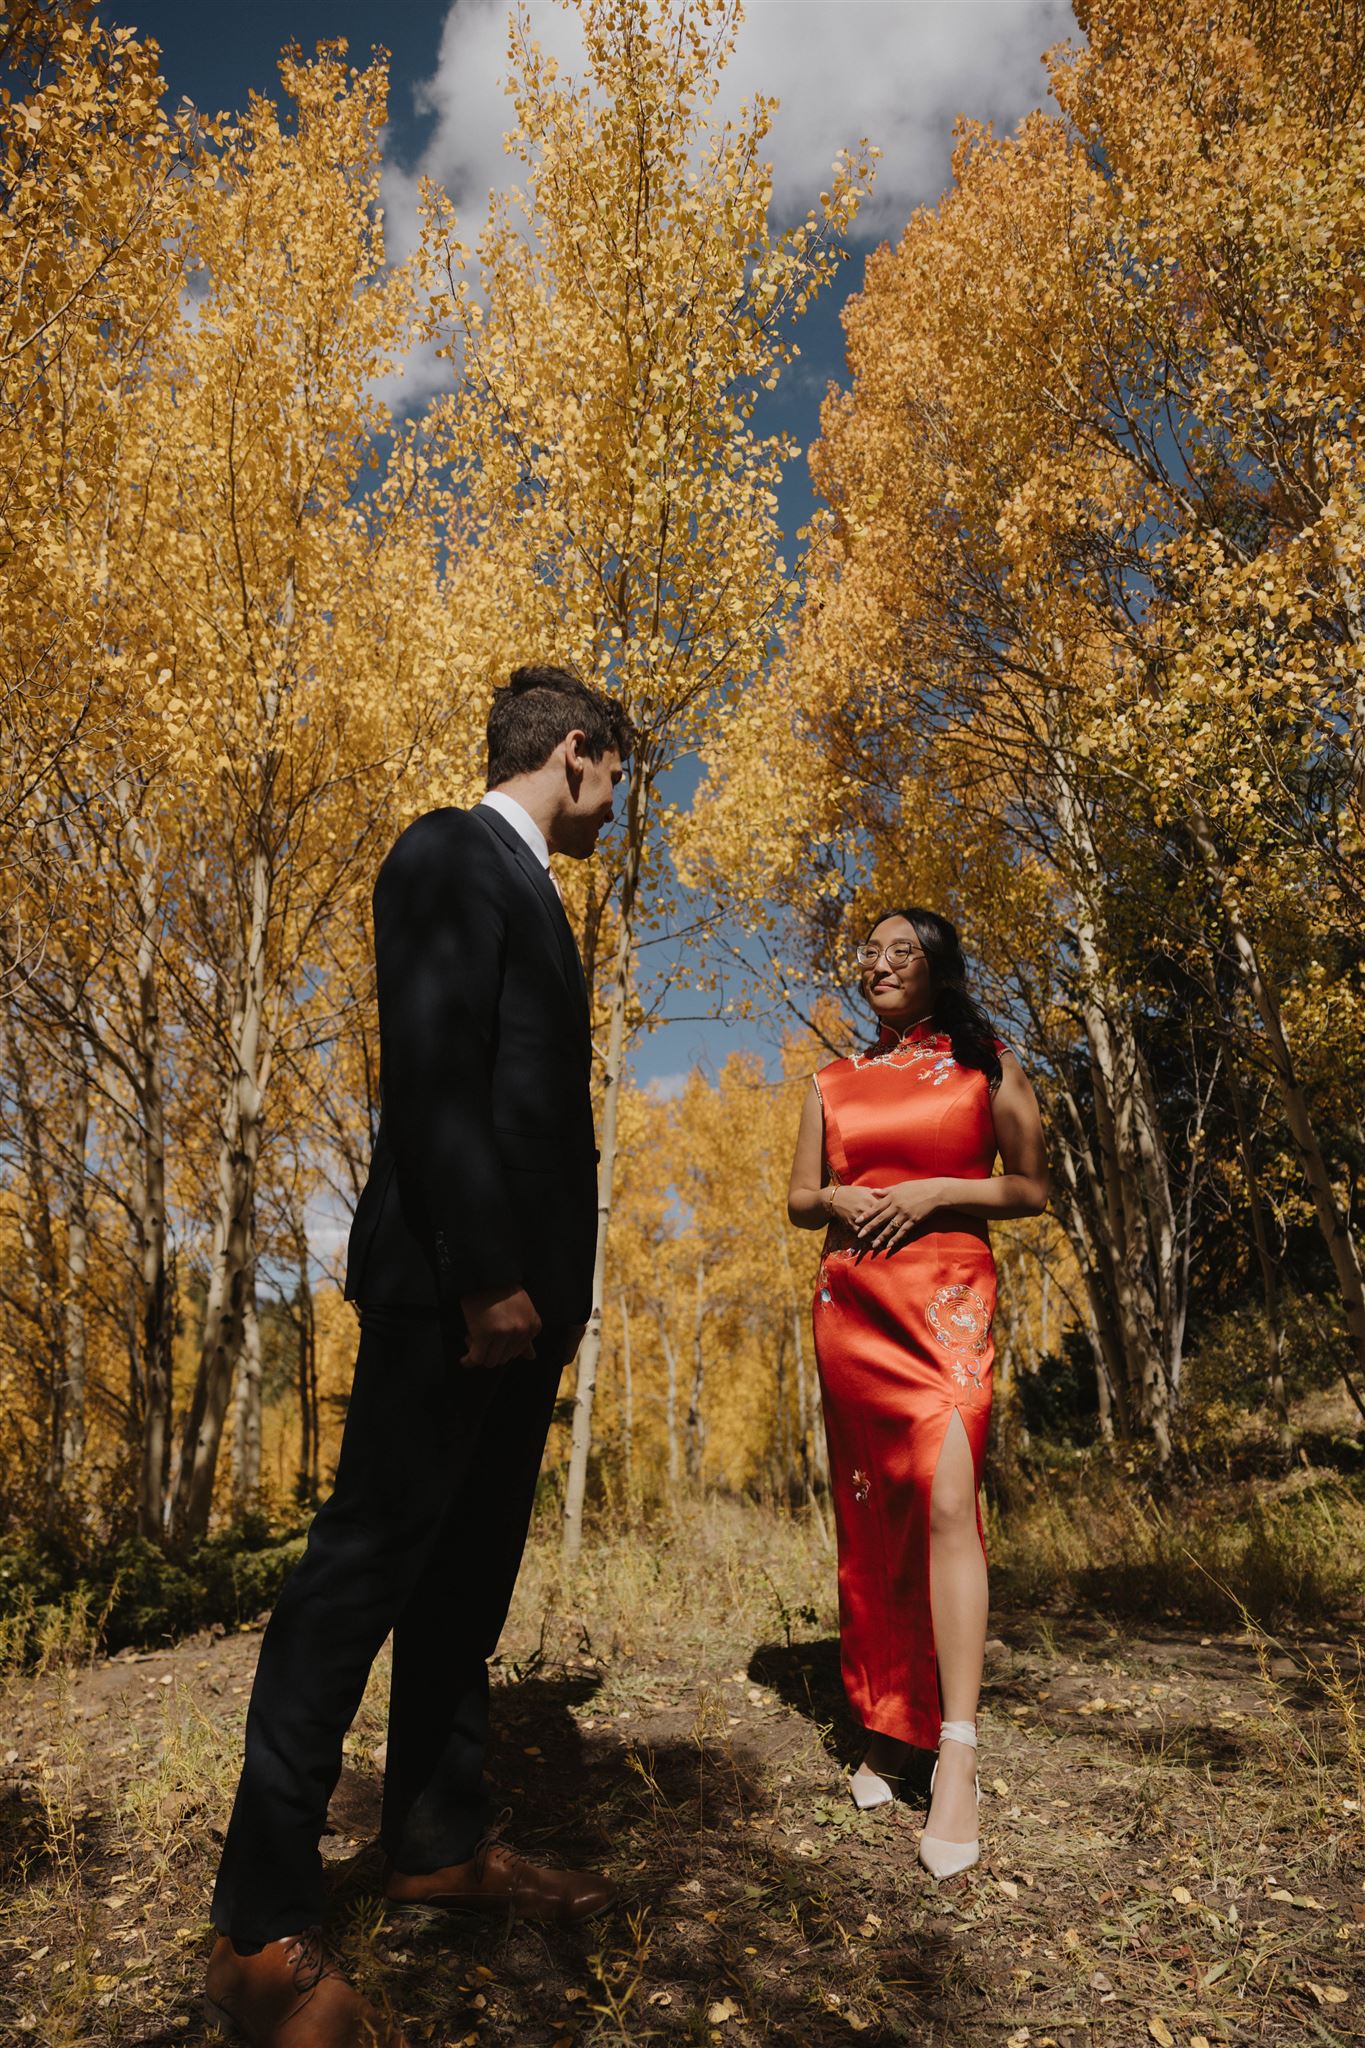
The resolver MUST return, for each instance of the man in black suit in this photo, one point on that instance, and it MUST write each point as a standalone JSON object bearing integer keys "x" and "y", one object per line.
{"x": 471, "y": 1261}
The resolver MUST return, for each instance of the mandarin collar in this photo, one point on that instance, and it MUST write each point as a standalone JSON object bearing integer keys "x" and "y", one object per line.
{"x": 888, "y": 1036}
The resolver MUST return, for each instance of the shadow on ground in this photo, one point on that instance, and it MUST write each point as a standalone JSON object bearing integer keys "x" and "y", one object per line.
{"x": 712, "y": 1894}
{"x": 806, "y": 1677}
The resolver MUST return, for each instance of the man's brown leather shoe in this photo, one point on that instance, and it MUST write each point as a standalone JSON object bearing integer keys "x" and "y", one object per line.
{"x": 497, "y": 1880}
{"x": 289, "y": 1996}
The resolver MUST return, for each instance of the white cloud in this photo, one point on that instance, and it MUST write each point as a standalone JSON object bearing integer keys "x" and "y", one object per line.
{"x": 467, "y": 95}
{"x": 895, "y": 71}
{"x": 667, "y": 1087}
{"x": 473, "y": 112}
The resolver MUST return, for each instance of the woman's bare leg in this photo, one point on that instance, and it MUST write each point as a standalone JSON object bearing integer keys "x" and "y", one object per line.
{"x": 957, "y": 1598}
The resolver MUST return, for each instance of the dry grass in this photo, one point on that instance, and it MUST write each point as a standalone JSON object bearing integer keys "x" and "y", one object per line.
{"x": 1171, "y": 1814}
{"x": 1095, "y": 1536}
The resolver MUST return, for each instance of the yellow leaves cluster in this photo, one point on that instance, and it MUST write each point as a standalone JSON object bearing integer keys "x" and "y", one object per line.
{"x": 85, "y": 239}
{"x": 1080, "y": 658}
{"x": 242, "y": 649}
{"x": 630, "y": 298}
{"x": 224, "y": 651}
{"x": 705, "y": 1264}
{"x": 1082, "y": 525}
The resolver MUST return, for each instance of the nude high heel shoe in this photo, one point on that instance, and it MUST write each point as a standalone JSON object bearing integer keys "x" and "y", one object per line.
{"x": 868, "y": 1788}
{"x": 873, "y": 1788}
{"x": 950, "y": 1859}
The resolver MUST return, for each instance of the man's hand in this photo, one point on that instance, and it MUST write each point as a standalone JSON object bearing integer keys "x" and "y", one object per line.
{"x": 501, "y": 1325}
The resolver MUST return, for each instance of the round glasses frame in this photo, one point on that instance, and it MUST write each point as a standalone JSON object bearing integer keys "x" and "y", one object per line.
{"x": 898, "y": 954}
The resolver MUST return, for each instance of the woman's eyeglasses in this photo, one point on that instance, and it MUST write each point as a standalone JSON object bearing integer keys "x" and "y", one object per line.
{"x": 898, "y": 954}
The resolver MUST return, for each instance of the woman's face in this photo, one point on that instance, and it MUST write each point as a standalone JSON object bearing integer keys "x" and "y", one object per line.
{"x": 894, "y": 973}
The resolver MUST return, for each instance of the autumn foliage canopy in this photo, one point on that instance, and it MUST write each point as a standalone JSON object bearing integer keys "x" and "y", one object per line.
{"x": 1074, "y": 650}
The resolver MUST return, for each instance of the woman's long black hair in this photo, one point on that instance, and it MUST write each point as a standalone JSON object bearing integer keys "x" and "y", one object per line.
{"x": 955, "y": 1012}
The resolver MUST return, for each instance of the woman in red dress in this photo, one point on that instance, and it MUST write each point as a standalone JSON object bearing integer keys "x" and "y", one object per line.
{"x": 895, "y": 1158}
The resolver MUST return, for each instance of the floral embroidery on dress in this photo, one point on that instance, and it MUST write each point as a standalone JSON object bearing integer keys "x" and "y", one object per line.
{"x": 862, "y": 1487}
{"x": 852, "y": 1250}
{"x": 931, "y": 1056}
{"x": 960, "y": 1321}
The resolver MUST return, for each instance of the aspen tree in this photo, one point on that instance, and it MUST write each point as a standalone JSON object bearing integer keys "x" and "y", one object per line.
{"x": 633, "y": 302}
{"x": 721, "y": 1277}
{"x": 87, "y": 242}
{"x": 1082, "y": 631}
{"x": 299, "y": 615}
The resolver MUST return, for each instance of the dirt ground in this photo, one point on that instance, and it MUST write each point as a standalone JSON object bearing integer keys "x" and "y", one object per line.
{"x": 1171, "y": 1829}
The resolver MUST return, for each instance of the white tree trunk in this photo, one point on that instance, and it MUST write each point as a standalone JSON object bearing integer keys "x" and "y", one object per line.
{"x": 785, "y": 1462}
{"x": 1131, "y": 1191}
{"x": 627, "y": 1398}
{"x": 155, "y": 1305}
{"x": 696, "y": 1421}
{"x": 38, "y": 1242}
{"x": 246, "y": 1430}
{"x": 1095, "y": 1262}
{"x": 807, "y": 1410}
{"x": 670, "y": 1397}
{"x": 1340, "y": 1242}
{"x": 308, "y": 1475}
{"x": 590, "y": 1350}
{"x": 233, "y": 1246}
{"x": 1265, "y": 1257}
{"x": 802, "y": 1402}
{"x": 77, "y": 1257}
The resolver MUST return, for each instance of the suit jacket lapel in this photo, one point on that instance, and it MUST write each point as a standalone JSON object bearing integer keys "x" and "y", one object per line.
{"x": 566, "y": 947}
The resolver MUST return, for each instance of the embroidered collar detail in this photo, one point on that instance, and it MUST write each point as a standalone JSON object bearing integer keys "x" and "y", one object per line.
{"x": 919, "y": 1046}
{"x": 888, "y": 1038}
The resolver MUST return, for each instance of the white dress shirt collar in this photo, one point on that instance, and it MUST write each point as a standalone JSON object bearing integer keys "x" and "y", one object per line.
{"x": 521, "y": 821}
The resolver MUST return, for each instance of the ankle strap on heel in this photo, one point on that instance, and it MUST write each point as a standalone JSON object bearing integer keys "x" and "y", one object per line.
{"x": 958, "y": 1731}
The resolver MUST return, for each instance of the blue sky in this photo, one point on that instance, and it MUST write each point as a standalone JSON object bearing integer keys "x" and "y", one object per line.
{"x": 896, "y": 71}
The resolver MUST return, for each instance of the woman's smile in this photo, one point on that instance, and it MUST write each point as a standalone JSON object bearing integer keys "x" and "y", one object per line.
{"x": 894, "y": 971}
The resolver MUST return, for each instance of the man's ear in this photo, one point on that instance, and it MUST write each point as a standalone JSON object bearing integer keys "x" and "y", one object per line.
{"x": 575, "y": 760}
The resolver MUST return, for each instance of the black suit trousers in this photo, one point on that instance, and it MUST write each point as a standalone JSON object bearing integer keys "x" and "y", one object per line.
{"x": 422, "y": 1536}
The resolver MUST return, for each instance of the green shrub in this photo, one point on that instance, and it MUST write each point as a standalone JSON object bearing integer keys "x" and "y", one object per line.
{"x": 1059, "y": 1399}
{"x": 133, "y": 1594}
{"x": 1228, "y": 1356}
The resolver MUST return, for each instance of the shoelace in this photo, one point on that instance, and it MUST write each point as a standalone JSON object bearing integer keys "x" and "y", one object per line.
{"x": 491, "y": 1840}
{"x": 306, "y": 1958}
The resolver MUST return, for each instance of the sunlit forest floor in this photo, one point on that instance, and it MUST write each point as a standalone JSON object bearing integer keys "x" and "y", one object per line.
{"x": 1171, "y": 1804}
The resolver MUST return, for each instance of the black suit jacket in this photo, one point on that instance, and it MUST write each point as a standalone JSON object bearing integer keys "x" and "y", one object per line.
{"x": 484, "y": 1170}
